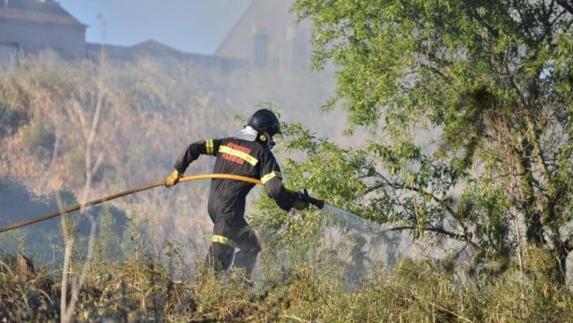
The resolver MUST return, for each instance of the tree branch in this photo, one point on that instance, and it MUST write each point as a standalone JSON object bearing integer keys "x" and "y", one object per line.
{"x": 439, "y": 230}
{"x": 443, "y": 203}
{"x": 438, "y": 200}
{"x": 557, "y": 17}
{"x": 566, "y": 6}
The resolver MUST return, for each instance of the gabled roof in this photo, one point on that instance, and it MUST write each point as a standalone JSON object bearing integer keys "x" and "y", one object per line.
{"x": 40, "y": 11}
{"x": 156, "y": 48}
{"x": 230, "y": 34}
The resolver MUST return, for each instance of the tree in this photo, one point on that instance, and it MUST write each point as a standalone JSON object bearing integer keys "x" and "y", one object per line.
{"x": 490, "y": 83}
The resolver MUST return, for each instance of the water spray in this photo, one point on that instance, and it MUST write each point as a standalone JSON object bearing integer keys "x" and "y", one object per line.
{"x": 342, "y": 218}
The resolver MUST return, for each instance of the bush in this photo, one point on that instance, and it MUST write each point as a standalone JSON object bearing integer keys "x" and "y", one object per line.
{"x": 10, "y": 120}
{"x": 40, "y": 139}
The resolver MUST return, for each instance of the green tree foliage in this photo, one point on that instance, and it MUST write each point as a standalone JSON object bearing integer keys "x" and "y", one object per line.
{"x": 490, "y": 83}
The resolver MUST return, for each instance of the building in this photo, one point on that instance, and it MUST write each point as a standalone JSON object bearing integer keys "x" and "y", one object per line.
{"x": 33, "y": 26}
{"x": 267, "y": 35}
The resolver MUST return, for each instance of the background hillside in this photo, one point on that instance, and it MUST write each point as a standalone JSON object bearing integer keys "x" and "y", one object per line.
{"x": 150, "y": 111}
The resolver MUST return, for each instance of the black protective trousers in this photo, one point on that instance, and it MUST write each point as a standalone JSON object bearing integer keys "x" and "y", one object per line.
{"x": 229, "y": 235}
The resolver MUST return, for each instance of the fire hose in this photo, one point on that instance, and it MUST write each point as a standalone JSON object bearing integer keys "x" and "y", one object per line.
{"x": 71, "y": 209}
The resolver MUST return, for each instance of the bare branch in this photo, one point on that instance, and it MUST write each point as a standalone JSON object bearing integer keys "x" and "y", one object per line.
{"x": 77, "y": 285}
{"x": 439, "y": 230}
{"x": 67, "y": 309}
{"x": 566, "y": 5}
{"x": 438, "y": 200}
{"x": 557, "y": 17}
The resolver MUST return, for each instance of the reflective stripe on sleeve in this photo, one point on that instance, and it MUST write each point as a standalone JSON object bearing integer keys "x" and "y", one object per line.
{"x": 237, "y": 153}
{"x": 270, "y": 176}
{"x": 223, "y": 240}
{"x": 210, "y": 147}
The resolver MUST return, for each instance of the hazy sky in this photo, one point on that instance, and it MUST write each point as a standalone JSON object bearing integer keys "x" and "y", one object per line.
{"x": 196, "y": 26}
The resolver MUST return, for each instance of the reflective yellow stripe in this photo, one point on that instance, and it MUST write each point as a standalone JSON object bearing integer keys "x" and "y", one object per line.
{"x": 223, "y": 240}
{"x": 270, "y": 176}
{"x": 237, "y": 153}
{"x": 210, "y": 147}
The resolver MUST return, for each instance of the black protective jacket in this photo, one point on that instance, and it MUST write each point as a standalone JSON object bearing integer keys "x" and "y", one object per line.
{"x": 238, "y": 157}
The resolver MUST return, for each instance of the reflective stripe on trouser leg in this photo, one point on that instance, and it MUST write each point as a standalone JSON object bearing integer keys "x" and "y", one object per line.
{"x": 223, "y": 240}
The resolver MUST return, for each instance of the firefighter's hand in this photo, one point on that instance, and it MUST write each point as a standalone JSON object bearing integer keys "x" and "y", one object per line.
{"x": 172, "y": 179}
{"x": 307, "y": 199}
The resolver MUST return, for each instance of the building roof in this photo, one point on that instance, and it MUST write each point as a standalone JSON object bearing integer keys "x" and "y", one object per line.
{"x": 146, "y": 48}
{"x": 153, "y": 48}
{"x": 39, "y": 11}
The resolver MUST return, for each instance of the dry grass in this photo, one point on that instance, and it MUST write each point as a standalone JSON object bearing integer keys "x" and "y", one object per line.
{"x": 414, "y": 292}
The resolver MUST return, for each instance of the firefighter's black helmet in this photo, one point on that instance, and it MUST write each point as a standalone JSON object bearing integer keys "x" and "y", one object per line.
{"x": 265, "y": 121}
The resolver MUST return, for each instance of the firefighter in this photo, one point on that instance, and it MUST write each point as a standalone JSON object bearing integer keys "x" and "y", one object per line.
{"x": 249, "y": 154}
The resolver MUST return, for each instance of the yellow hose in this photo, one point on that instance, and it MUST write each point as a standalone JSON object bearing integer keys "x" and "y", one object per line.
{"x": 220, "y": 176}
{"x": 146, "y": 187}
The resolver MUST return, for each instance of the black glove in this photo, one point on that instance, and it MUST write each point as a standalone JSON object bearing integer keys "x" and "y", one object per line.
{"x": 306, "y": 198}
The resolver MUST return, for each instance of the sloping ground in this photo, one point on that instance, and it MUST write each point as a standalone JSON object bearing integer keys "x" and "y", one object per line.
{"x": 48, "y": 108}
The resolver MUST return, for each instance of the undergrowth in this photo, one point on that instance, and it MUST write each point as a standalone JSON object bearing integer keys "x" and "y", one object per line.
{"x": 140, "y": 290}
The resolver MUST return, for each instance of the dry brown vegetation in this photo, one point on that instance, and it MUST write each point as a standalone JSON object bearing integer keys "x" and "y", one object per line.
{"x": 413, "y": 292}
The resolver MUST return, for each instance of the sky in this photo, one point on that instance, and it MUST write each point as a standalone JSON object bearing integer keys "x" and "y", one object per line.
{"x": 195, "y": 26}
